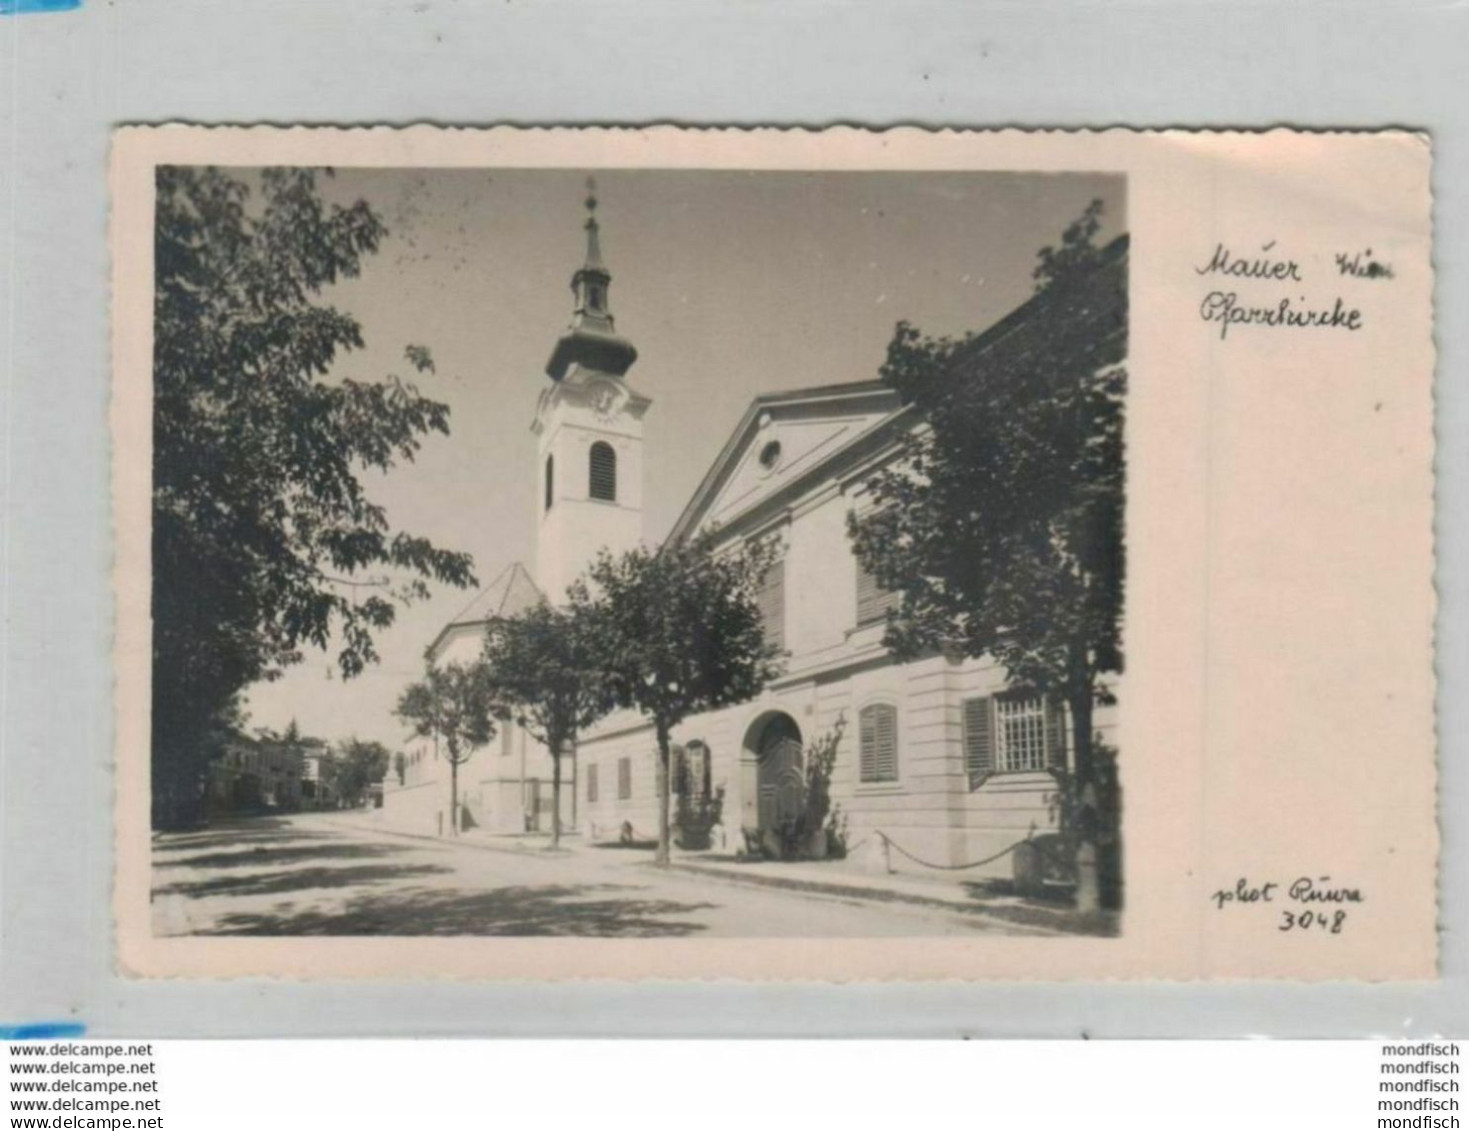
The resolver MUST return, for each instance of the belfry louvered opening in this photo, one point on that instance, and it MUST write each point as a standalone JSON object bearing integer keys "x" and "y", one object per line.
{"x": 603, "y": 472}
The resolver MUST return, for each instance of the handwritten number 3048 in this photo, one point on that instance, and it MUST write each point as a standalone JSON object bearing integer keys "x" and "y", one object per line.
{"x": 1305, "y": 920}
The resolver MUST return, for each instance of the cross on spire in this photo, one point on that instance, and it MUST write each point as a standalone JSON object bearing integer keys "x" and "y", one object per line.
{"x": 594, "y": 244}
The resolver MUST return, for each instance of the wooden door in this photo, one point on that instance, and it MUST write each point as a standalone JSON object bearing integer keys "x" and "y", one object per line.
{"x": 782, "y": 786}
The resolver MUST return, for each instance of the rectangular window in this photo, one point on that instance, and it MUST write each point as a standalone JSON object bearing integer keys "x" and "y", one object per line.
{"x": 1021, "y": 734}
{"x": 878, "y": 725}
{"x": 772, "y": 602}
{"x": 873, "y": 601}
{"x": 697, "y": 769}
{"x": 1010, "y": 734}
{"x": 592, "y": 782}
{"x": 624, "y": 779}
{"x": 507, "y": 741}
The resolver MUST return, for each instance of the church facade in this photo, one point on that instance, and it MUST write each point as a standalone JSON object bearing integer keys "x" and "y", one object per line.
{"x": 938, "y": 760}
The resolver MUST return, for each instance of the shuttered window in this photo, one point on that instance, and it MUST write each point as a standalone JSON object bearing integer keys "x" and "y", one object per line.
{"x": 979, "y": 739}
{"x": 879, "y": 742}
{"x": 592, "y": 782}
{"x": 603, "y": 472}
{"x": 624, "y": 779}
{"x": 873, "y": 601}
{"x": 772, "y": 602}
{"x": 1055, "y": 734}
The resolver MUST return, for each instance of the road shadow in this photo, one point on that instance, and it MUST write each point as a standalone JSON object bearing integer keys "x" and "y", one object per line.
{"x": 243, "y": 839}
{"x": 1052, "y": 907}
{"x": 300, "y": 879}
{"x": 266, "y": 856}
{"x": 540, "y": 911}
{"x": 238, "y": 833}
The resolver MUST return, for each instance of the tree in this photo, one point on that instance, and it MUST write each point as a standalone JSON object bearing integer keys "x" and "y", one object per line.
{"x": 452, "y": 705}
{"x": 264, "y": 540}
{"x": 678, "y": 631}
{"x": 1001, "y": 526}
{"x": 354, "y": 766}
{"x": 542, "y": 672}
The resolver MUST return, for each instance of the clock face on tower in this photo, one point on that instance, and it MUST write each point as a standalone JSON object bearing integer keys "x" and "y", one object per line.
{"x": 604, "y": 399}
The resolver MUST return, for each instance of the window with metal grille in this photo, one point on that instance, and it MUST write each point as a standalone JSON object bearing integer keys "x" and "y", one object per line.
{"x": 873, "y": 601}
{"x": 603, "y": 472}
{"x": 592, "y": 782}
{"x": 624, "y": 779}
{"x": 878, "y": 727}
{"x": 772, "y": 603}
{"x": 1020, "y": 734}
{"x": 550, "y": 480}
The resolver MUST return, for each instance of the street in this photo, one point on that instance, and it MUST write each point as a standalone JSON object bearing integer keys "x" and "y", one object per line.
{"x": 334, "y": 874}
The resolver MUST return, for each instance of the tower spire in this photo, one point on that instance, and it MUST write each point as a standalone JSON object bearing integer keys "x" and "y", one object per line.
{"x": 594, "y": 243}
{"x": 592, "y": 341}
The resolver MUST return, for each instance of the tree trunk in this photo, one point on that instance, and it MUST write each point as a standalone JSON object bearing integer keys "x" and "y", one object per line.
{"x": 178, "y": 771}
{"x": 1082, "y": 699}
{"x": 1081, "y": 702}
{"x": 664, "y": 855}
{"x": 453, "y": 794}
{"x": 555, "y": 793}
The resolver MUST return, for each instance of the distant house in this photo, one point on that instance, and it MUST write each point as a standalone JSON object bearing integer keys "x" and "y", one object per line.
{"x": 316, "y": 787}
{"x": 254, "y": 775}
{"x": 939, "y": 755}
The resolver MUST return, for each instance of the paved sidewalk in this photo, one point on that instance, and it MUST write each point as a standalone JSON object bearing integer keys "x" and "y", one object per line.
{"x": 851, "y": 878}
{"x": 991, "y": 899}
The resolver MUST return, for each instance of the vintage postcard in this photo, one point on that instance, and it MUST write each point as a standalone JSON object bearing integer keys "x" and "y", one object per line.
{"x": 760, "y": 554}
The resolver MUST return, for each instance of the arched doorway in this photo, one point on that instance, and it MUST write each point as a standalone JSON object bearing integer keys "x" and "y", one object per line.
{"x": 781, "y": 783}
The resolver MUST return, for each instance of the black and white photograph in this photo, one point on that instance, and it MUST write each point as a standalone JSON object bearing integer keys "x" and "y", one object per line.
{"x": 639, "y": 554}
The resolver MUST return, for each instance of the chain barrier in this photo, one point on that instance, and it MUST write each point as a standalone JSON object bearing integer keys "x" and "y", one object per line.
{"x": 889, "y": 842}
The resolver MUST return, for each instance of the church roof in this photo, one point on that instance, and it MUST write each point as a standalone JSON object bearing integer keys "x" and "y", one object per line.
{"x": 856, "y": 416}
{"x": 510, "y": 594}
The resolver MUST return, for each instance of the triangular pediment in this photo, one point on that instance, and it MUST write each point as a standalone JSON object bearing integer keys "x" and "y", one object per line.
{"x": 783, "y": 440}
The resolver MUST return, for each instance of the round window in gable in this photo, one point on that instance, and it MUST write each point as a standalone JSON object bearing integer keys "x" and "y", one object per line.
{"x": 770, "y": 455}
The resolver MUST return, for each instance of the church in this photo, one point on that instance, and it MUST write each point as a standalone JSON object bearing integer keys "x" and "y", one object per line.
{"x": 936, "y": 755}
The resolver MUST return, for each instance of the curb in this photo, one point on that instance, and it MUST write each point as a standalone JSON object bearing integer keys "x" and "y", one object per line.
{"x": 860, "y": 891}
{"x": 462, "y": 842}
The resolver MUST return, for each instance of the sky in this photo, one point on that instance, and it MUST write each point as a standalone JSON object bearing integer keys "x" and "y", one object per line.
{"x": 730, "y": 284}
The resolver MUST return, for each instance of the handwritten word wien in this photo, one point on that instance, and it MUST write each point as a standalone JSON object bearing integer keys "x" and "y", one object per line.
{"x": 1308, "y": 899}
{"x": 1227, "y": 309}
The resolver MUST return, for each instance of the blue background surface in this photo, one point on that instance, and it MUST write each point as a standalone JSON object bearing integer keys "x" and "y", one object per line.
{"x": 70, "y": 77}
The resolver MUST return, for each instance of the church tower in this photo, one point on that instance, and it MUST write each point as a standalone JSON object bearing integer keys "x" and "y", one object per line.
{"x": 589, "y": 432}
